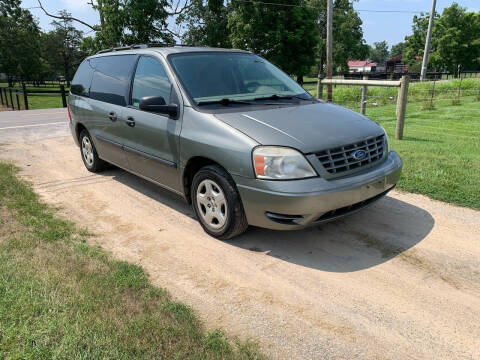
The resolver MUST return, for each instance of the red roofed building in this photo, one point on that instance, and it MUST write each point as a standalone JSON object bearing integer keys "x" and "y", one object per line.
{"x": 361, "y": 66}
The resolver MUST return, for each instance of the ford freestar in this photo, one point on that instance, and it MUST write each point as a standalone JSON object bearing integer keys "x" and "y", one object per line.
{"x": 230, "y": 132}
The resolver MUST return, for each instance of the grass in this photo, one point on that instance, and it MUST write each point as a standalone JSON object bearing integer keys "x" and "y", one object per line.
{"x": 38, "y": 101}
{"x": 440, "y": 149}
{"x": 441, "y": 145}
{"x": 63, "y": 298}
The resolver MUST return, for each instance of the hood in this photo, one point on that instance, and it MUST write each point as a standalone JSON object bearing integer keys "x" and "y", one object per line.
{"x": 308, "y": 128}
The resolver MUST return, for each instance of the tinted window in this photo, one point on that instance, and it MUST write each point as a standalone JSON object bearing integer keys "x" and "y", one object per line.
{"x": 150, "y": 80}
{"x": 217, "y": 75}
{"x": 111, "y": 79}
{"x": 82, "y": 79}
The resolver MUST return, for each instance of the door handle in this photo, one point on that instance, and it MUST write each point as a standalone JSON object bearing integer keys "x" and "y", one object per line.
{"x": 130, "y": 121}
{"x": 112, "y": 116}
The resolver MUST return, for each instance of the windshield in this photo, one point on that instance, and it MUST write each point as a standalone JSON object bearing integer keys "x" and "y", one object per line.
{"x": 213, "y": 76}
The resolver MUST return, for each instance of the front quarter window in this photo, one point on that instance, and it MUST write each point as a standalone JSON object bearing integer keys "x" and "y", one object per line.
{"x": 212, "y": 76}
{"x": 150, "y": 80}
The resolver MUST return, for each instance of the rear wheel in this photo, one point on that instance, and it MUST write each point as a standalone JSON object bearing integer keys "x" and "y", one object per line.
{"x": 217, "y": 203}
{"x": 89, "y": 154}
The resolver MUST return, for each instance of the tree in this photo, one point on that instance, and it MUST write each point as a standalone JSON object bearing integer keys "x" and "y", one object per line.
{"x": 397, "y": 49}
{"x": 206, "y": 23}
{"x": 455, "y": 39}
{"x": 125, "y": 22}
{"x": 348, "y": 42}
{"x": 61, "y": 47}
{"x": 19, "y": 42}
{"x": 285, "y": 35}
{"x": 379, "y": 52}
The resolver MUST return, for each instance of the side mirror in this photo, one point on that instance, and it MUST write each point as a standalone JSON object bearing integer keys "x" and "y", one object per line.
{"x": 157, "y": 104}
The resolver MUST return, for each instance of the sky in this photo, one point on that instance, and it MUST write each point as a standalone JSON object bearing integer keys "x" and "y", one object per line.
{"x": 377, "y": 26}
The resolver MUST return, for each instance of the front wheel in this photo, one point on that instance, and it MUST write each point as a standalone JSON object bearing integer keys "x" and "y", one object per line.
{"x": 217, "y": 203}
{"x": 89, "y": 154}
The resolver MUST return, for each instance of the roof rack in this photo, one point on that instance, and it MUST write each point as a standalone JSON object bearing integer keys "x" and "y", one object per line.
{"x": 121, "y": 48}
{"x": 140, "y": 46}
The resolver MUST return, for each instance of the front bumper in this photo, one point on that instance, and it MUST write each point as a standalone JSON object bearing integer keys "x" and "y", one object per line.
{"x": 296, "y": 204}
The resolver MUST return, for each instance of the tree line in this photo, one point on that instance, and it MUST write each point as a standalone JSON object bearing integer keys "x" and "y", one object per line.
{"x": 289, "y": 33}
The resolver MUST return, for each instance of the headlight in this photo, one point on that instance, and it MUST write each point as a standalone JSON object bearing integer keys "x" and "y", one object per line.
{"x": 280, "y": 163}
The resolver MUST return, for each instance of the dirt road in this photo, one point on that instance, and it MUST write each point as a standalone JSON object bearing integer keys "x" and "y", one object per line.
{"x": 399, "y": 280}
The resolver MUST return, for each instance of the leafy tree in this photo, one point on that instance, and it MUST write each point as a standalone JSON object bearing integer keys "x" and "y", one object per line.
{"x": 348, "y": 42}
{"x": 19, "y": 42}
{"x": 61, "y": 48}
{"x": 397, "y": 49}
{"x": 285, "y": 35}
{"x": 455, "y": 39}
{"x": 206, "y": 23}
{"x": 379, "y": 52}
{"x": 124, "y": 22}
{"x": 132, "y": 22}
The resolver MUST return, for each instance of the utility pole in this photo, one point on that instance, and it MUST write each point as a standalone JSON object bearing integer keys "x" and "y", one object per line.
{"x": 329, "y": 47}
{"x": 427, "y": 43}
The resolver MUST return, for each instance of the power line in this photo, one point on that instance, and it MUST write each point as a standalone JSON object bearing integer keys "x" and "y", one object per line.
{"x": 316, "y": 7}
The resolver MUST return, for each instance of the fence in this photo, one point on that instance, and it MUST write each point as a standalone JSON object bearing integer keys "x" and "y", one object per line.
{"x": 398, "y": 75}
{"x": 9, "y": 96}
{"x": 401, "y": 99}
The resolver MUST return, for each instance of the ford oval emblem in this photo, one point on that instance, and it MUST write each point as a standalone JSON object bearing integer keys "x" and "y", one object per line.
{"x": 359, "y": 154}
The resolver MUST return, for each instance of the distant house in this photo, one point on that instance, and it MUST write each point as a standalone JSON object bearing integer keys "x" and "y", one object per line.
{"x": 362, "y": 66}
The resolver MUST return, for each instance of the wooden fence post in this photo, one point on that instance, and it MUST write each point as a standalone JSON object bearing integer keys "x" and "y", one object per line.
{"x": 18, "y": 99}
{"x": 64, "y": 98}
{"x": 402, "y": 107}
{"x": 364, "y": 97}
{"x": 320, "y": 89}
{"x": 1, "y": 96}
{"x": 11, "y": 98}
{"x": 25, "y": 95}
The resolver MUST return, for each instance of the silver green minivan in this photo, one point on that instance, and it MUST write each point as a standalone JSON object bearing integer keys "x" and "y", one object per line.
{"x": 230, "y": 132}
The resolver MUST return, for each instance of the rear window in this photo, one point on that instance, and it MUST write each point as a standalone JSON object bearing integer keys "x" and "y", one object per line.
{"x": 82, "y": 79}
{"x": 111, "y": 79}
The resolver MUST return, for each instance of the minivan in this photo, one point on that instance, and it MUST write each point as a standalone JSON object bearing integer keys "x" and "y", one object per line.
{"x": 231, "y": 133}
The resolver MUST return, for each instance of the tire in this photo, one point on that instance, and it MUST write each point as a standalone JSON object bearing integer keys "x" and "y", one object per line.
{"x": 208, "y": 204}
{"x": 89, "y": 154}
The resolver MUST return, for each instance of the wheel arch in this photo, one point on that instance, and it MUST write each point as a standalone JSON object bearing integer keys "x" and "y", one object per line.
{"x": 79, "y": 127}
{"x": 191, "y": 168}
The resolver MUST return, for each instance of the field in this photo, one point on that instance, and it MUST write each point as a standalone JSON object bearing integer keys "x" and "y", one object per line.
{"x": 39, "y": 101}
{"x": 441, "y": 145}
{"x": 62, "y": 298}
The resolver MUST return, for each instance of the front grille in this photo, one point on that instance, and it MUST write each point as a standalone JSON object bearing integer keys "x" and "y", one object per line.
{"x": 340, "y": 159}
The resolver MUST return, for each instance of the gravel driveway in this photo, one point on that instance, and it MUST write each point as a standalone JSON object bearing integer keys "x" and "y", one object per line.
{"x": 399, "y": 280}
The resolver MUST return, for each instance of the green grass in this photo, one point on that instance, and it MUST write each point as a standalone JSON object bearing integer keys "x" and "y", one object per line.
{"x": 63, "y": 298}
{"x": 441, "y": 145}
{"x": 418, "y": 92}
{"x": 38, "y": 101}
{"x": 440, "y": 149}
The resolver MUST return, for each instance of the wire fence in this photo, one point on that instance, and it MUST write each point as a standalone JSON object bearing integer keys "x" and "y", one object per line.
{"x": 426, "y": 101}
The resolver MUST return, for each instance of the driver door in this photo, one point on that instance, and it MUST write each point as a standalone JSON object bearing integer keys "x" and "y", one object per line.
{"x": 152, "y": 145}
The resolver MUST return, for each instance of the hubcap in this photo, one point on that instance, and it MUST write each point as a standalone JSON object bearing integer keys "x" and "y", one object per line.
{"x": 211, "y": 204}
{"x": 87, "y": 151}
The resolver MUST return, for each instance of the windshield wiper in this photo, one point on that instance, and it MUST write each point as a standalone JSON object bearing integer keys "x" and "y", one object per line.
{"x": 277, "y": 97}
{"x": 224, "y": 102}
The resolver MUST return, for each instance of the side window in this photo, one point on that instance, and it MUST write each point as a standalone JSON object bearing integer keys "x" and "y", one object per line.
{"x": 82, "y": 79}
{"x": 150, "y": 80}
{"x": 111, "y": 79}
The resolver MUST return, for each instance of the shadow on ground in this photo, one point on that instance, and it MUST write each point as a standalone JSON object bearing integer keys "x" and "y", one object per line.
{"x": 368, "y": 238}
